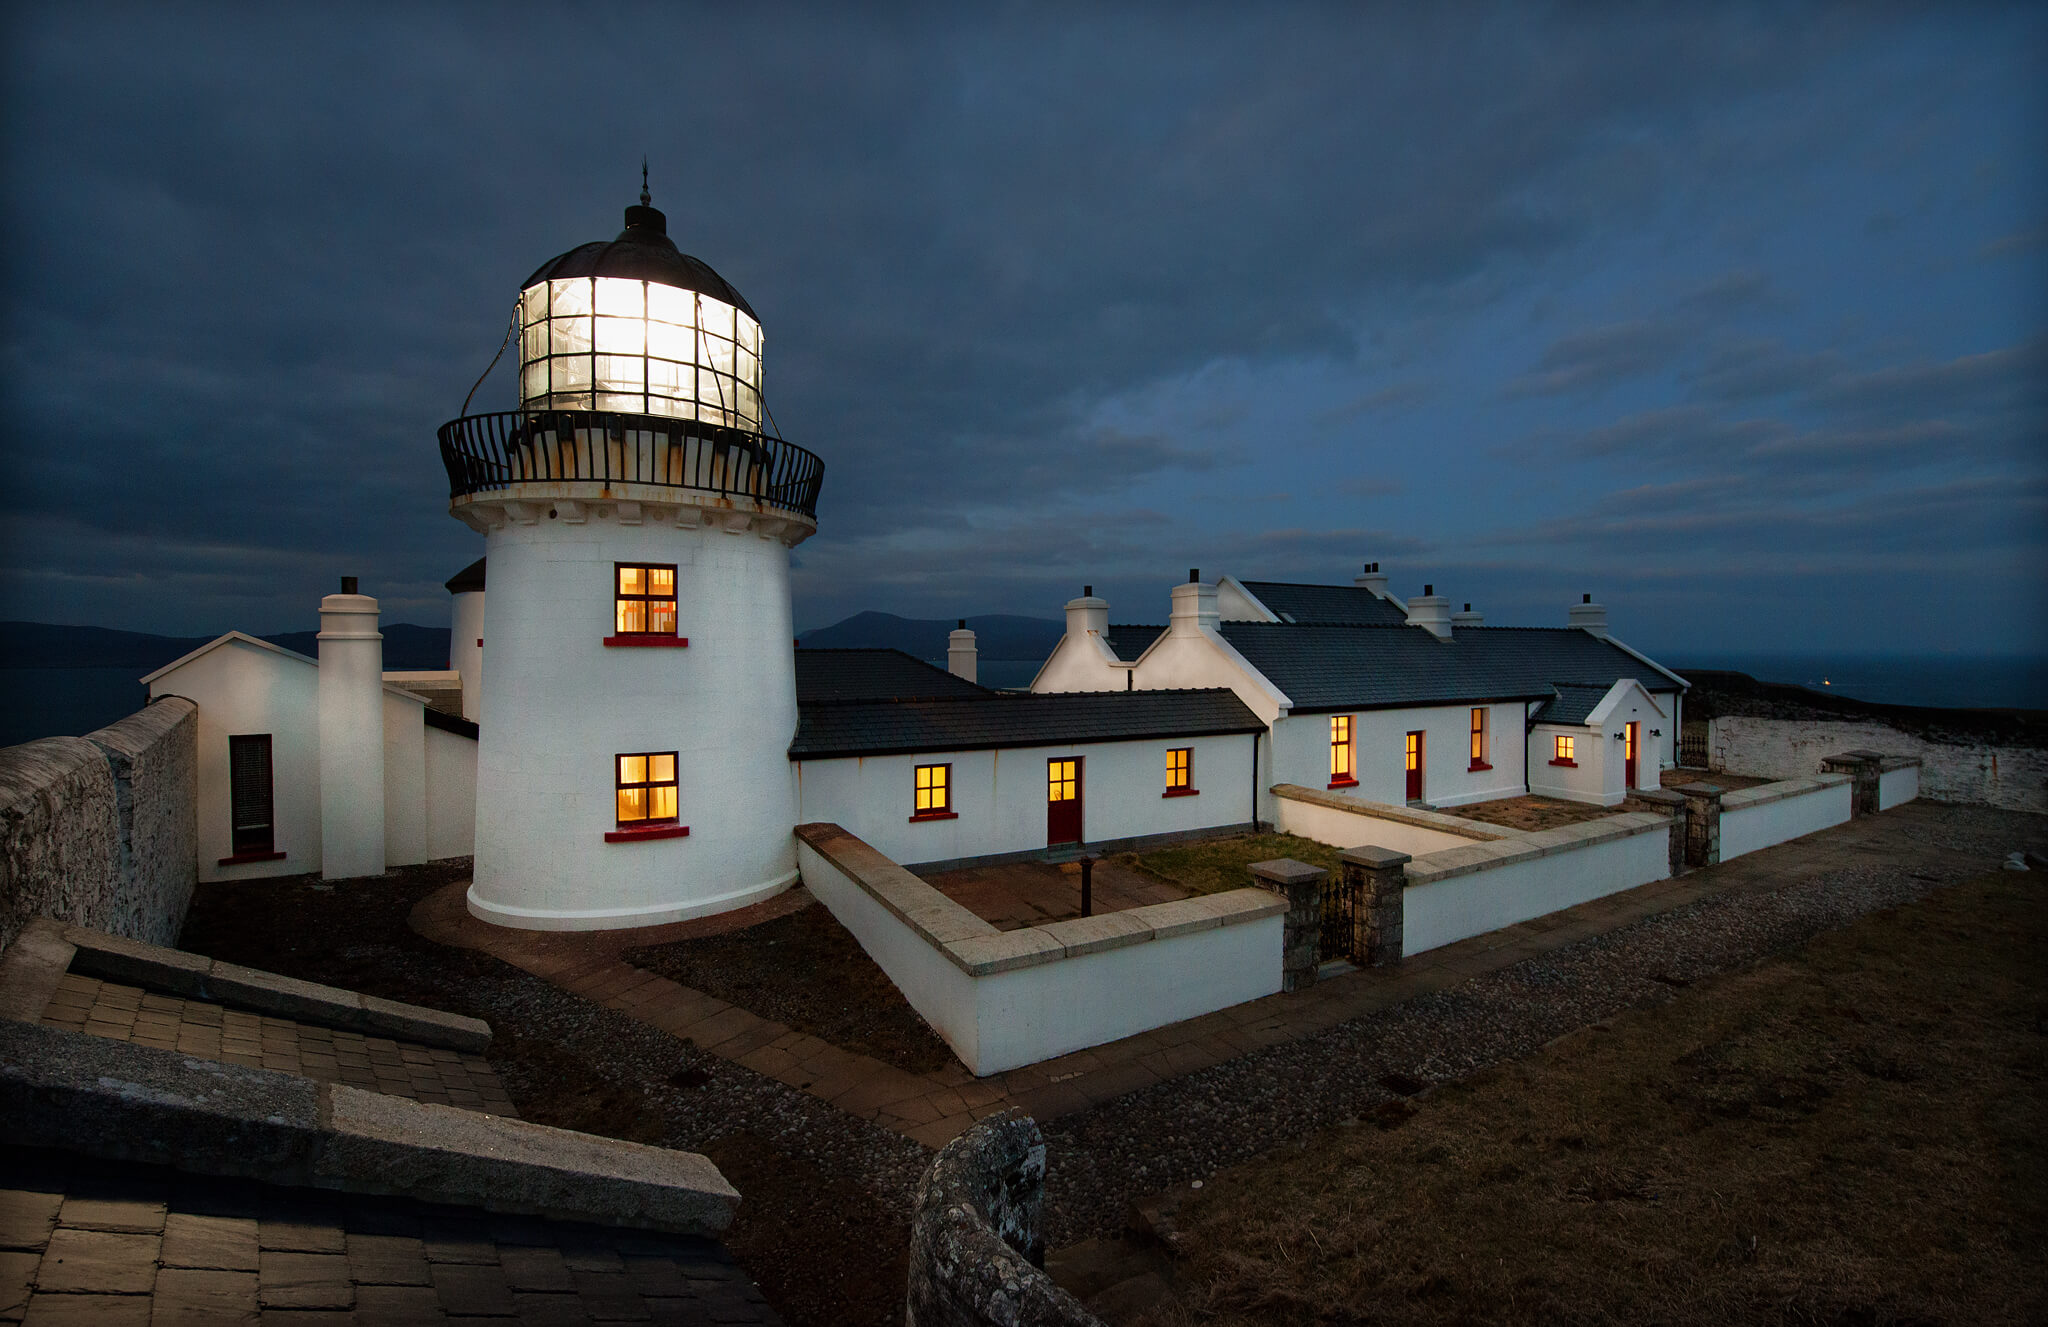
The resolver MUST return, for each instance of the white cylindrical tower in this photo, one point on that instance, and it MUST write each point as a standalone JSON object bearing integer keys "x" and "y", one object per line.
{"x": 351, "y": 735}
{"x": 466, "y": 635}
{"x": 632, "y": 767}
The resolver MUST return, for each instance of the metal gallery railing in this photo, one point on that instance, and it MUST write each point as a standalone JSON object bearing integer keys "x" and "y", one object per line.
{"x": 487, "y": 453}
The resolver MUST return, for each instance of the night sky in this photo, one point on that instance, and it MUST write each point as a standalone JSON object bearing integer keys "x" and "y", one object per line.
{"x": 1736, "y": 318}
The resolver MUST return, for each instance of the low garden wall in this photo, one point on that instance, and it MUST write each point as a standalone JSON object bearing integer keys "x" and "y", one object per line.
{"x": 1352, "y": 822}
{"x": 1898, "y": 783}
{"x": 1007, "y": 998}
{"x": 101, "y": 830}
{"x": 1469, "y": 890}
{"x": 1753, "y": 818}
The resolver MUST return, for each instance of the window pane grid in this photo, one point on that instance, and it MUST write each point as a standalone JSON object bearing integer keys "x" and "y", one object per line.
{"x": 1180, "y": 762}
{"x": 933, "y": 789}
{"x": 641, "y": 347}
{"x": 1340, "y": 746}
{"x": 1565, "y": 747}
{"x": 646, "y": 784}
{"x": 646, "y": 600}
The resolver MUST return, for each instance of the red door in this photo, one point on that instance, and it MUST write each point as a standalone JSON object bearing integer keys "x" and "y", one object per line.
{"x": 1628, "y": 755}
{"x": 1063, "y": 800}
{"x": 1415, "y": 767}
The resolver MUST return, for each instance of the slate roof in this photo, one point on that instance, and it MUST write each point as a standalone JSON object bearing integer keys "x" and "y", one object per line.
{"x": 977, "y": 723}
{"x": 1324, "y": 668}
{"x": 470, "y": 577}
{"x": 1572, "y": 705}
{"x": 830, "y": 675}
{"x": 1328, "y": 605}
{"x": 1127, "y": 642}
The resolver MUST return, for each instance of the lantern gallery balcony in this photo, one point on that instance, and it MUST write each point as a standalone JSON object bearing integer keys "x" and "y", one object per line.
{"x": 630, "y": 457}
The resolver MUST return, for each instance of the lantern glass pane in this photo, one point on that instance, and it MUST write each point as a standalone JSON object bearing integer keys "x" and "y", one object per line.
{"x": 634, "y": 403}
{"x": 668, "y": 378}
{"x": 569, "y": 336}
{"x": 533, "y": 342}
{"x": 749, "y": 403}
{"x": 717, "y": 317}
{"x": 718, "y": 354}
{"x": 533, "y": 380}
{"x": 621, "y": 298}
{"x": 533, "y": 303}
{"x": 748, "y": 366}
{"x": 569, "y": 298}
{"x": 670, "y": 305}
{"x": 712, "y": 389}
{"x": 750, "y": 333}
{"x": 670, "y": 342}
{"x": 571, "y": 373}
{"x": 621, "y": 336}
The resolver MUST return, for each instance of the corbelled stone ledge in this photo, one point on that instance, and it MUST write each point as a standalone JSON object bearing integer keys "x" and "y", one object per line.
{"x": 1528, "y": 845}
{"x": 1763, "y": 794}
{"x": 194, "y": 976}
{"x": 981, "y": 950}
{"x": 1405, "y": 815}
{"x": 78, "y": 1092}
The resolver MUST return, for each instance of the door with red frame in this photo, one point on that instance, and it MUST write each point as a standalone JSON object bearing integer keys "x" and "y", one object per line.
{"x": 1414, "y": 767}
{"x": 1628, "y": 756}
{"x": 1063, "y": 800}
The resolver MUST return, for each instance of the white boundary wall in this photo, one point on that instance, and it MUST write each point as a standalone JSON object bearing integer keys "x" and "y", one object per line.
{"x": 1468, "y": 891}
{"x": 1753, "y": 818}
{"x": 1344, "y": 821}
{"x": 1896, "y": 787}
{"x": 1007, "y": 998}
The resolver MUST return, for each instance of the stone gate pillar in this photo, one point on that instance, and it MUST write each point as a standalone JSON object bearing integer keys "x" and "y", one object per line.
{"x": 1672, "y": 804}
{"x": 1702, "y": 823}
{"x": 1381, "y": 876}
{"x": 1301, "y": 936}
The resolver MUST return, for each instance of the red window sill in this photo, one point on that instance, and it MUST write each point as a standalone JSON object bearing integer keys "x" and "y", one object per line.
{"x": 647, "y": 642}
{"x": 1568, "y": 764}
{"x": 647, "y": 832}
{"x": 1477, "y": 766}
{"x": 1182, "y": 792}
{"x": 935, "y": 815}
{"x": 238, "y": 858}
{"x": 1343, "y": 783}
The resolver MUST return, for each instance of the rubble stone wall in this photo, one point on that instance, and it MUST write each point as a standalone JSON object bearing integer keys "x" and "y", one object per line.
{"x": 2014, "y": 778}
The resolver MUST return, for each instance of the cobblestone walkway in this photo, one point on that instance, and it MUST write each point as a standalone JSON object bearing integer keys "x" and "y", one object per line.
{"x": 934, "y": 1108}
{"x": 328, "y": 1055}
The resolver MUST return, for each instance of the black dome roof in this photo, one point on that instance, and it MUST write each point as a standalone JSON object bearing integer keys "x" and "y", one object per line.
{"x": 642, "y": 252}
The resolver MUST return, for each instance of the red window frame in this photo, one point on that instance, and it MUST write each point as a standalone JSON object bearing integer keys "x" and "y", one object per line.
{"x": 653, "y": 822}
{"x": 931, "y": 793}
{"x": 646, "y": 601}
{"x": 1180, "y": 772}
{"x": 1566, "y": 749}
{"x": 1343, "y": 751}
{"x": 1479, "y": 738}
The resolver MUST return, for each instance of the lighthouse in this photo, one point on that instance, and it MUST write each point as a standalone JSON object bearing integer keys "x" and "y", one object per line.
{"x": 636, "y": 715}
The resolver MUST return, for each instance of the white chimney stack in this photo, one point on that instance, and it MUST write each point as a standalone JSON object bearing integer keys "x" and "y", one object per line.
{"x": 1432, "y": 612}
{"x": 960, "y": 652}
{"x": 1372, "y": 579}
{"x": 1088, "y": 615}
{"x": 1194, "y": 606}
{"x": 1468, "y": 618}
{"x": 351, "y": 735}
{"x": 1591, "y": 616}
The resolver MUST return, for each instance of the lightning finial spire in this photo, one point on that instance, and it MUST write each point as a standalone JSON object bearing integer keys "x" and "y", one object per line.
{"x": 645, "y": 200}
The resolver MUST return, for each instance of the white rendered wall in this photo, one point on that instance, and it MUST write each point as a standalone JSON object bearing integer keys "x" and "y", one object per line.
{"x": 351, "y": 737}
{"x": 405, "y": 781}
{"x": 563, "y": 705}
{"x": 1451, "y": 909}
{"x": 1896, "y": 787}
{"x": 999, "y": 796}
{"x": 451, "y": 794}
{"x": 1379, "y": 753}
{"x": 1592, "y": 781}
{"x": 1747, "y": 828}
{"x": 246, "y": 689}
{"x": 1347, "y": 829}
{"x": 466, "y": 649}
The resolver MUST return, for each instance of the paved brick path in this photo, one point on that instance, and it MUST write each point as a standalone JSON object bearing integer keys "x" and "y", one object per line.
{"x": 329, "y": 1055}
{"x": 113, "y": 1244}
{"x": 934, "y": 1108}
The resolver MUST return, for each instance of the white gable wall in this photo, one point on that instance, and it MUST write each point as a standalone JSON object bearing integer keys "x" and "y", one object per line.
{"x": 450, "y": 760}
{"x": 998, "y": 797}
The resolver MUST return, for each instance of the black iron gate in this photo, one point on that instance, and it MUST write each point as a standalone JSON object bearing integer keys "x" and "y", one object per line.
{"x": 1692, "y": 744}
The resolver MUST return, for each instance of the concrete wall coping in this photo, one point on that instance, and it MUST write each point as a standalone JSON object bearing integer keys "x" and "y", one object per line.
{"x": 196, "y": 977}
{"x": 1890, "y": 763}
{"x": 979, "y": 949}
{"x": 1449, "y": 862}
{"x": 1742, "y": 799}
{"x": 84, "y": 1093}
{"x": 1406, "y": 815}
{"x": 144, "y": 728}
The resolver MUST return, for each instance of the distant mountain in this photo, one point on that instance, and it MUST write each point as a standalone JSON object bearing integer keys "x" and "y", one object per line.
{"x": 997, "y": 635}
{"x": 407, "y": 648}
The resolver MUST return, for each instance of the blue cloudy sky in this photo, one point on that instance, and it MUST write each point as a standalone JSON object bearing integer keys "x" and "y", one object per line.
{"x": 1736, "y": 317}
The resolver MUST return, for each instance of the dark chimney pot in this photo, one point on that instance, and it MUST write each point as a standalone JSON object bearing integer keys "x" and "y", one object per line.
{"x": 1429, "y": 589}
{"x": 963, "y": 624}
{"x": 1087, "y": 592}
{"x": 1585, "y": 598}
{"x": 1194, "y": 575}
{"x": 348, "y": 585}
{"x": 1468, "y": 608}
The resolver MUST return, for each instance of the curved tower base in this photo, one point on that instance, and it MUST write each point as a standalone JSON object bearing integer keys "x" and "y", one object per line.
{"x": 532, "y": 919}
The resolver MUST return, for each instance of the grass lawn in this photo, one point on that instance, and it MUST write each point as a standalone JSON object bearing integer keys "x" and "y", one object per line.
{"x": 1215, "y": 865}
{"x": 1851, "y": 1134}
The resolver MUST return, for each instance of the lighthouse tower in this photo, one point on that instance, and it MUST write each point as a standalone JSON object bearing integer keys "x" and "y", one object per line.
{"x": 632, "y": 766}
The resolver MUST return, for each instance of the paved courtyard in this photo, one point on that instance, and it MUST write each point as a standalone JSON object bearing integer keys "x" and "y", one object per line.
{"x": 1020, "y": 894}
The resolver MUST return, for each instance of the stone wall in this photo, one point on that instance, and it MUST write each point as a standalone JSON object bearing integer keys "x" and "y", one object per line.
{"x": 102, "y": 830}
{"x": 976, "y": 1245}
{"x": 2012, "y": 777}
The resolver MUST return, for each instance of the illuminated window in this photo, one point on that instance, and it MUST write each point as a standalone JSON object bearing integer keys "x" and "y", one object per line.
{"x": 1414, "y": 753}
{"x": 1479, "y": 739}
{"x": 1565, "y": 747}
{"x": 609, "y": 343}
{"x": 1340, "y": 751}
{"x": 646, "y": 600}
{"x": 1180, "y": 769}
{"x": 647, "y": 789}
{"x": 934, "y": 791}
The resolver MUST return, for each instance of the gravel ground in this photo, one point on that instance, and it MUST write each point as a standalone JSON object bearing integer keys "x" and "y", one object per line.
{"x": 1187, "y": 1129}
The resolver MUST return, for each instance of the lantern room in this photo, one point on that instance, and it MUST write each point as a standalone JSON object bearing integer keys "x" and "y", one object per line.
{"x": 637, "y": 326}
